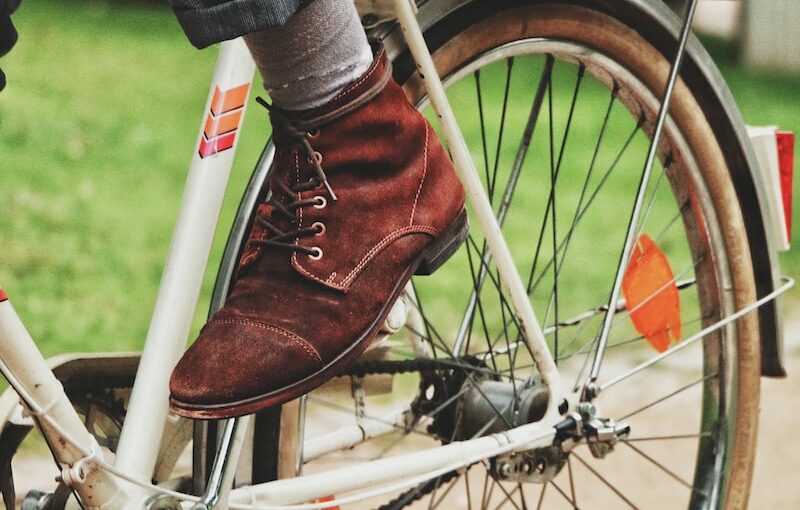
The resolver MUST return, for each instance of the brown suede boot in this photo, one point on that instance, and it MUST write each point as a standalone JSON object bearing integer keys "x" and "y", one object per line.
{"x": 363, "y": 196}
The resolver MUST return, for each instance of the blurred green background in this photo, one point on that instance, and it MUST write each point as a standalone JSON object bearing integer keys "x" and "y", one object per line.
{"x": 97, "y": 127}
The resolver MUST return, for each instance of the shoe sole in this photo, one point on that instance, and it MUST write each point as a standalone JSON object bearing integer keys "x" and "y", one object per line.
{"x": 429, "y": 260}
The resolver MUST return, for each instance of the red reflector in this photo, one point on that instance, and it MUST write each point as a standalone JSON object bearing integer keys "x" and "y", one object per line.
{"x": 3, "y": 296}
{"x": 651, "y": 295}
{"x": 786, "y": 165}
{"x": 327, "y": 499}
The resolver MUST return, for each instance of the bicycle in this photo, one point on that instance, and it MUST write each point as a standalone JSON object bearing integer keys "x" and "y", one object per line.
{"x": 471, "y": 403}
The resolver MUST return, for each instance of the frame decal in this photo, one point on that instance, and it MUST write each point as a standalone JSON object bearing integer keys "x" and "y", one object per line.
{"x": 223, "y": 120}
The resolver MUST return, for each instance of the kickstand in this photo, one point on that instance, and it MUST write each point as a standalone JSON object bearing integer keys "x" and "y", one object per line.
{"x": 221, "y": 479}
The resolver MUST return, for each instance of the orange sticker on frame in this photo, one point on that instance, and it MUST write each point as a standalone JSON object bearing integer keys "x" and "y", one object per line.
{"x": 223, "y": 120}
{"x": 651, "y": 295}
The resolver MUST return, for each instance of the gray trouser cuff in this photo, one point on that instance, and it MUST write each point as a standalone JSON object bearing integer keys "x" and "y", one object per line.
{"x": 206, "y": 24}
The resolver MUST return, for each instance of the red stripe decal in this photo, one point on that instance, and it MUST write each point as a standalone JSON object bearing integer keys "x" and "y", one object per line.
{"x": 3, "y": 296}
{"x": 217, "y": 144}
{"x": 223, "y": 119}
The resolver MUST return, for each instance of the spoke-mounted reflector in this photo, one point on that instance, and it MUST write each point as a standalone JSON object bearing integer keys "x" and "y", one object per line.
{"x": 651, "y": 295}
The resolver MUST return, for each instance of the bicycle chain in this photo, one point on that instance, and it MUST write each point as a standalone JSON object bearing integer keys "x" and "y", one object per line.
{"x": 363, "y": 368}
{"x": 415, "y": 494}
{"x": 370, "y": 367}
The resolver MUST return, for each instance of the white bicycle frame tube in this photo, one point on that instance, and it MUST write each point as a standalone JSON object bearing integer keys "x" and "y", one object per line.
{"x": 187, "y": 260}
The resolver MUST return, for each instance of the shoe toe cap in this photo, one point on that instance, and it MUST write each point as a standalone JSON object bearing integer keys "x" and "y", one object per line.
{"x": 238, "y": 359}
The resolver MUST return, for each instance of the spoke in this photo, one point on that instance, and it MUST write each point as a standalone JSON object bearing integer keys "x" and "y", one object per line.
{"x": 522, "y": 498}
{"x": 672, "y": 437}
{"x": 477, "y": 76}
{"x": 533, "y": 285}
{"x": 554, "y": 222}
{"x": 592, "y": 165}
{"x": 508, "y": 497}
{"x": 435, "y": 490}
{"x": 669, "y": 395}
{"x": 481, "y": 315}
{"x": 519, "y": 160}
{"x": 541, "y": 497}
{"x": 669, "y": 224}
{"x": 621, "y": 343}
{"x": 571, "y": 482}
{"x": 489, "y": 484}
{"x": 469, "y": 492}
{"x": 551, "y": 142}
{"x": 503, "y": 302}
{"x": 663, "y": 468}
{"x": 653, "y": 193}
{"x": 349, "y": 411}
{"x": 699, "y": 335}
{"x": 431, "y": 333}
{"x": 563, "y": 246}
{"x": 672, "y": 281}
{"x": 447, "y": 491}
{"x": 510, "y": 65}
{"x": 564, "y": 494}
{"x": 605, "y": 482}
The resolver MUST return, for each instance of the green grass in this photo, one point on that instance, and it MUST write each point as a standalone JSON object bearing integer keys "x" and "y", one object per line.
{"x": 96, "y": 130}
{"x": 97, "y": 127}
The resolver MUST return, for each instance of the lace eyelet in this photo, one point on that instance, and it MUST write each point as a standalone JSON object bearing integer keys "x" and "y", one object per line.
{"x": 318, "y": 157}
{"x": 313, "y": 133}
{"x": 320, "y": 228}
{"x": 317, "y": 253}
{"x": 321, "y": 203}
{"x": 314, "y": 181}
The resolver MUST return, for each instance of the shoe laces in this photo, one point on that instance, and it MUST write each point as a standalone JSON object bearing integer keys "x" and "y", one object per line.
{"x": 285, "y": 129}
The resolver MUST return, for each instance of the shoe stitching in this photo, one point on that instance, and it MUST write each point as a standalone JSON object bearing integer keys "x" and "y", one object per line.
{"x": 392, "y": 236}
{"x": 300, "y": 210}
{"x": 417, "y": 229}
{"x": 298, "y": 197}
{"x": 310, "y": 350}
{"x": 422, "y": 181}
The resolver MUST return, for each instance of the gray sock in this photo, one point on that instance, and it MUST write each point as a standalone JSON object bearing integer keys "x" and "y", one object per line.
{"x": 306, "y": 62}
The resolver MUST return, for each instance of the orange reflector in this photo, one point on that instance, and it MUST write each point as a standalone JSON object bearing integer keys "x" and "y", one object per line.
{"x": 328, "y": 498}
{"x": 651, "y": 295}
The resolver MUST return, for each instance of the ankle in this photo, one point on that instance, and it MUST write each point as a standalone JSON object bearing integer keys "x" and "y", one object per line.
{"x": 306, "y": 62}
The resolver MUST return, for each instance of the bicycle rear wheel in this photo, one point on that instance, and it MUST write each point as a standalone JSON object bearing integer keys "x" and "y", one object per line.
{"x": 557, "y": 103}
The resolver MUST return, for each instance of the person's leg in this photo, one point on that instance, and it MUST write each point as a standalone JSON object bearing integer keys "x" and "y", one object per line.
{"x": 363, "y": 195}
{"x": 307, "y": 61}
{"x": 206, "y": 22}
{"x": 305, "y": 53}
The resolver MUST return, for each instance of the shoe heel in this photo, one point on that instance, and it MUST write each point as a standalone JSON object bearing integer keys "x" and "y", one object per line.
{"x": 444, "y": 246}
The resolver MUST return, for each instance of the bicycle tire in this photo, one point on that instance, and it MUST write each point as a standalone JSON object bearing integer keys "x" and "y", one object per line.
{"x": 462, "y": 35}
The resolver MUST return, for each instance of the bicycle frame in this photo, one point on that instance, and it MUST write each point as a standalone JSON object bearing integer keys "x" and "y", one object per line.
{"x": 148, "y": 409}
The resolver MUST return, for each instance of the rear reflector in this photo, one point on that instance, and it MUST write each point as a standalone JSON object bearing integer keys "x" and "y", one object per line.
{"x": 785, "y": 141}
{"x": 3, "y": 296}
{"x": 766, "y": 144}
